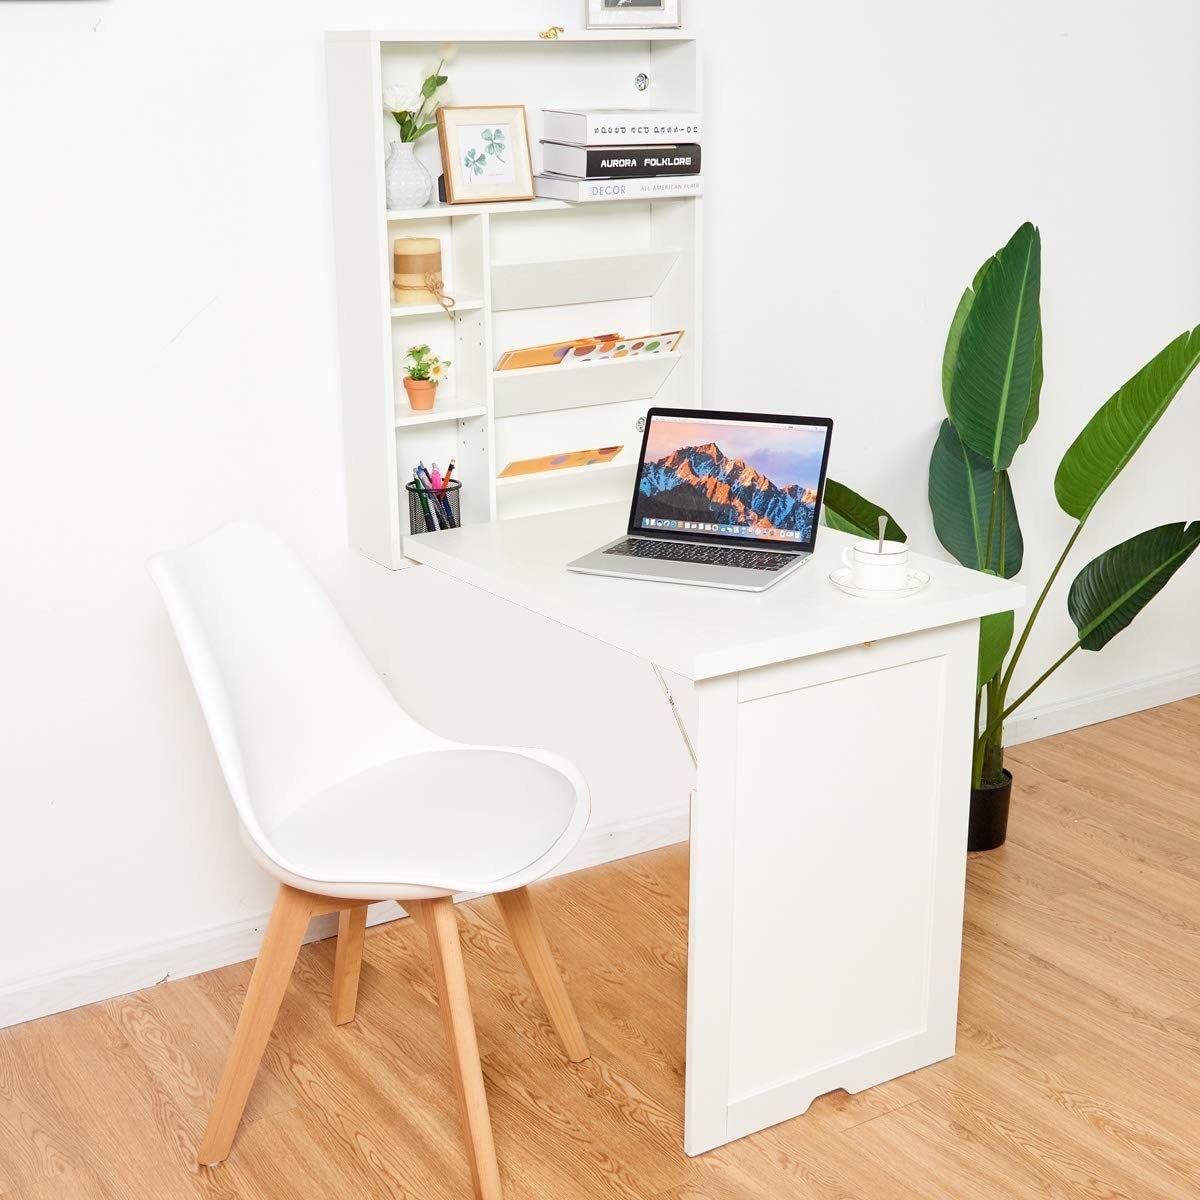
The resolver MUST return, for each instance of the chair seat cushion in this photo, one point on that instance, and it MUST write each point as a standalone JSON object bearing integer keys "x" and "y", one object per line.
{"x": 461, "y": 818}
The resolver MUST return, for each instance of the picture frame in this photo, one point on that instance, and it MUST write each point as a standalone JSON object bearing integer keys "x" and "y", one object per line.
{"x": 633, "y": 14}
{"x": 485, "y": 153}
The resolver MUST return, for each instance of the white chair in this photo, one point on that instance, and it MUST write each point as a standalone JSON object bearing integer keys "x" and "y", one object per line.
{"x": 345, "y": 799}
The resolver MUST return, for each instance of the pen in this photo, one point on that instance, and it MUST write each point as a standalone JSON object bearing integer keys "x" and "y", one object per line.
{"x": 445, "y": 483}
{"x": 435, "y": 477}
{"x": 431, "y": 517}
{"x": 420, "y": 490}
{"x": 440, "y": 503}
{"x": 445, "y": 497}
{"x": 442, "y": 515}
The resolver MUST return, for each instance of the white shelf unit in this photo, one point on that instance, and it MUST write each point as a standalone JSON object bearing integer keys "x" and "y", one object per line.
{"x": 522, "y": 273}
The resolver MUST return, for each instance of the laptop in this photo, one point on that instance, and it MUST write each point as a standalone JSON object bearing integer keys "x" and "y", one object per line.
{"x": 722, "y": 499}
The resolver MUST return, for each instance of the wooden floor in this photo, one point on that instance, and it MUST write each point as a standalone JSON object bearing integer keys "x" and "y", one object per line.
{"x": 1077, "y": 1074}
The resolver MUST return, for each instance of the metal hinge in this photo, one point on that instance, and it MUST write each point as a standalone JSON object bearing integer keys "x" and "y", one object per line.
{"x": 683, "y": 733}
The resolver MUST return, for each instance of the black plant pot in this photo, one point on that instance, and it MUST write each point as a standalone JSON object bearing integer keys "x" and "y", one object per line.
{"x": 989, "y": 815}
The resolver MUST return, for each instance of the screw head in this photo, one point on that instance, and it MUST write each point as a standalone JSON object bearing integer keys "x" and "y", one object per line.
{"x": 642, "y": 81}
{"x": 640, "y": 424}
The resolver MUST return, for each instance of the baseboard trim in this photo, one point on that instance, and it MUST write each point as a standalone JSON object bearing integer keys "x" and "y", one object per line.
{"x": 1049, "y": 719}
{"x": 175, "y": 958}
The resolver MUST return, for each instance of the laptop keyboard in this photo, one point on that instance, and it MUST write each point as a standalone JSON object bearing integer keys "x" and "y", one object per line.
{"x": 714, "y": 556}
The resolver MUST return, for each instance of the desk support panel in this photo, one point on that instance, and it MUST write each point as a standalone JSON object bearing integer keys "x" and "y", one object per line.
{"x": 828, "y": 858}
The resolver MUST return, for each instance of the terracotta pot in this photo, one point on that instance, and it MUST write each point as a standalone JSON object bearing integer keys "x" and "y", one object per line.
{"x": 421, "y": 393}
{"x": 988, "y": 825}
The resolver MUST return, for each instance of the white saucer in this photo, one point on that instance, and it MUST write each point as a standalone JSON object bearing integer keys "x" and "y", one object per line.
{"x": 915, "y": 582}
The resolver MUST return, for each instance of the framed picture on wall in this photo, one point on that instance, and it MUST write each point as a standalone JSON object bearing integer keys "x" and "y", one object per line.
{"x": 633, "y": 14}
{"x": 485, "y": 153}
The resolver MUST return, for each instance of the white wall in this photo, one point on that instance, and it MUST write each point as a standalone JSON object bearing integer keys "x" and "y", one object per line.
{"x": 169, "y": 362}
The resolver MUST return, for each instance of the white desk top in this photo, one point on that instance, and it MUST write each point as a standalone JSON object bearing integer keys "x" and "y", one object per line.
{"x": 696, "y": 632}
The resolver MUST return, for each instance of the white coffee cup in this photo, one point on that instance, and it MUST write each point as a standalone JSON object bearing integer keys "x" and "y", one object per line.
{"x": 873, "y": 570}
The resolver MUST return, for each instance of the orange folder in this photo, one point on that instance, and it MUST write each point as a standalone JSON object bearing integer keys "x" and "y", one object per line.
{"x": 549, "y": 355}
{"x": 558, "y": 462}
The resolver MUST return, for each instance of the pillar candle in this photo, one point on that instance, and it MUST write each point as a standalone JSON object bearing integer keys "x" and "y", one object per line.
{"x": 414, "y": 259}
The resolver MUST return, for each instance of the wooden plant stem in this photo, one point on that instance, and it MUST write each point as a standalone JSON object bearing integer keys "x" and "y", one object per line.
{"x": 1037, "y": 608}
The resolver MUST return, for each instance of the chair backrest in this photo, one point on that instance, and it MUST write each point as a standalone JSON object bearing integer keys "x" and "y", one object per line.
{"x": 292, "y": 703}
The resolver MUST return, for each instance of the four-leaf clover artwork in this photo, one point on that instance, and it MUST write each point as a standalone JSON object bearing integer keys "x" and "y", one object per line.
{"x": 484, "y": 153}
{"x": 493, "y": 140}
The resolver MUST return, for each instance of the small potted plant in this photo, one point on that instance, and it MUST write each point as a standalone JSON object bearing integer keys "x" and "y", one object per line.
{"x": 422, "y": 375}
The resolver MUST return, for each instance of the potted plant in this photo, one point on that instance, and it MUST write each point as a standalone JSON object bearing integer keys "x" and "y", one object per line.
{"x": 407, "y": 183}
{"x": 991, "y": 385}
{"x": 422, "y": 374}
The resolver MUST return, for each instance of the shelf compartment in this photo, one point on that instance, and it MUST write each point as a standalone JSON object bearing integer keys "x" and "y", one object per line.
{"x": 626, "y": 461}
{"x": 609, "y": 381}
{"x": 406, "y": 418}
{"x": 427, "y": 310}
{"x": 550, "y": 283}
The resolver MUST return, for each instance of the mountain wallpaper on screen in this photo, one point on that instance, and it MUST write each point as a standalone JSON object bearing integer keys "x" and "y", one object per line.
{"x": 699, "y": 483}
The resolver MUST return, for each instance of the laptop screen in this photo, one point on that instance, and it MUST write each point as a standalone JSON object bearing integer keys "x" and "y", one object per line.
{"x": 714, "y": 475}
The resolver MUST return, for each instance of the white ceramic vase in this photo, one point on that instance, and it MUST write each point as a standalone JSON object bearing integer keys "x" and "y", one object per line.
{"x": 407, "y": 182}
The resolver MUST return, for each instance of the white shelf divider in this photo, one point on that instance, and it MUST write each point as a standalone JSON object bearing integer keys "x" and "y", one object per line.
{"x": 539, "y": 204}
{"x": 436, "y": 37}
{"x": 441, "y": 209}
{"x": 583, "y": 280}
{"x": 608, "y": 381}
{"x": 427, "y": 310}
{"x": 450, "y": 411}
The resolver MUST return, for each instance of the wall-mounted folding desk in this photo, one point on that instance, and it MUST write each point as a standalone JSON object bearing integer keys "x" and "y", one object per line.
{"x": 828, "y": 842}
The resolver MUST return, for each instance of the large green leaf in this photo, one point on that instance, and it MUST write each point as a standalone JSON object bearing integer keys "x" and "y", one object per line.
{"x": 1111, "y": 438}
{"x": 1035, "y": 389}
{"x": 993, "y": 368}
{"x": 950, "y": 355}
{"x": 995, "y": 637}
{"x": 846, "y": 510}
{"x": 954, "y": 336}
{"x": 1112, "y": 589}
{"x": 960, "y": 498}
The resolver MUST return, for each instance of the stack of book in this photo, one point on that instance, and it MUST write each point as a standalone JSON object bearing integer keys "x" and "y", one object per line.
{"x": 619, "y": 154}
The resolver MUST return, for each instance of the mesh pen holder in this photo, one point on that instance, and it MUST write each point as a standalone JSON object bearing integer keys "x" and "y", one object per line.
{"x": 431, "y": 509}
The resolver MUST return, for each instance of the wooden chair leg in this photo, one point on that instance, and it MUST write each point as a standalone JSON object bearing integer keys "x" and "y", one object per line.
{"x": 441, "y": 928}
{"x": 530, "y": 940}
{"x": 285, "y": 933}
{"x": 347, "y": 963}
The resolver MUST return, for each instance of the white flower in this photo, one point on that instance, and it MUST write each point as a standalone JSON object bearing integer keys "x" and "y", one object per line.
{"x": 399, "y": 98}
{"x": 447, "y": 51}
